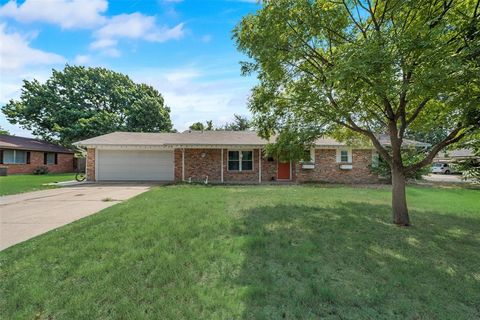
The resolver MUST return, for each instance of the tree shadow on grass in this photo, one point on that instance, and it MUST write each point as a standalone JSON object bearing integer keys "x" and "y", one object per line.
{"x": 350, "y": 262}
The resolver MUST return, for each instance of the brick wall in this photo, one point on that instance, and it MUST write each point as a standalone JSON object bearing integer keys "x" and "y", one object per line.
{"x": 198, "y": 167}
{"x": 90, "y": 164}
{"x": 240, "y": 176}
{"x": 64, "y": 164}
{"x": 269, "y": 170}
{"x": 328, "y": 170}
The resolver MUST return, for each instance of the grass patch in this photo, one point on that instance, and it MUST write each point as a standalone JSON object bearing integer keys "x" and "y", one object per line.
{"x": 29, "y": 182}
{"x": 269, "y": 252}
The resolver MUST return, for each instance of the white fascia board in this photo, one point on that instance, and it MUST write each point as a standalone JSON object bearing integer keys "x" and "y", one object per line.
{"x": 216, "y": 146}
{"x": 128, "y": 147}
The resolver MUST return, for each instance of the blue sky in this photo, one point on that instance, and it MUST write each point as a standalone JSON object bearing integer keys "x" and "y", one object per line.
{"x": 182, "y": 48}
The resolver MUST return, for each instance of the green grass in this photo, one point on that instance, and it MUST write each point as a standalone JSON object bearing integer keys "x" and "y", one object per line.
{"x": 269, "y": 252}
{"x": 29, "y": 182}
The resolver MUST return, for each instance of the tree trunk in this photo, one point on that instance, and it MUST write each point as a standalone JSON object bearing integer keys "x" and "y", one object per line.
{"x": 399, "y": 198}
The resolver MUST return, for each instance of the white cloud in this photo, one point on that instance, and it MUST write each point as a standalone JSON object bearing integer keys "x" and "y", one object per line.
{"x": 103, "y": 43}
{"x": 132, "y": 26}
{"x": 135, "y": 26}
{"x": 16, "y": 53}
{"x": 66, "y": 13}
{"x": 82, "y": 59}
{"x": 193, "y": 98}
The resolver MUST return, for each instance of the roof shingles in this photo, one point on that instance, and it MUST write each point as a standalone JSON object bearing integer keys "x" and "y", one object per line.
{"x": 20, "y": 143}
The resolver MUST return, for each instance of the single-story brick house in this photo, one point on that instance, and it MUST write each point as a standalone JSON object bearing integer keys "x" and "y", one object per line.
{"x": 23, "y": 155}
{"x": 220, "y": 157}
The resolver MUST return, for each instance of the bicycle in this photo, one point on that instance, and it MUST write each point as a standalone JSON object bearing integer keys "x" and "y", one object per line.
{"x": 80, "y": 176}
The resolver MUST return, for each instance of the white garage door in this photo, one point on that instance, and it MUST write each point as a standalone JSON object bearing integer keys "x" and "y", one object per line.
{"x": 135, "y": 165}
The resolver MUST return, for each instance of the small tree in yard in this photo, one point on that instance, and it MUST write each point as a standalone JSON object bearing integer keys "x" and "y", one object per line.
{"x": 367, "y": 67}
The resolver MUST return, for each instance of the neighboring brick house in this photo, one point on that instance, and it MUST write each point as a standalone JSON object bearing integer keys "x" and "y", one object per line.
{"x": 24, "y": 155}
{"x": 219, "y": 157}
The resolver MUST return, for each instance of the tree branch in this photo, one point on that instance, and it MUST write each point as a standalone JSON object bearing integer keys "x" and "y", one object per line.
{"x": 453, "y": 137}
{"x": 417, "y": 111}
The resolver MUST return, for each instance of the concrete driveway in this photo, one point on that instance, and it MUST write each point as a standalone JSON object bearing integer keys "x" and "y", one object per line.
{"x": 24, "y": 216}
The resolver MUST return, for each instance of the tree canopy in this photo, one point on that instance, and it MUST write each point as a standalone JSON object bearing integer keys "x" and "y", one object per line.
{"x": 239, "y": 123}
{"x": 78, "y": 103}
{"x": 363, "y": 68}
{"x": 3, "y": 131}
{"x": 200, "y": 126}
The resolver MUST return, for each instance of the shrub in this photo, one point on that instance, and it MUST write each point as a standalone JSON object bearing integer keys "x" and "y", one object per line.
{"x": 40, "y": 170}
{"x": 382, "y": 169}
{"x": 470, "y": 169}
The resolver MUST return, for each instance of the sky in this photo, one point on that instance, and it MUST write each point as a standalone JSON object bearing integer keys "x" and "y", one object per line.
{"x": 183, "y": 48}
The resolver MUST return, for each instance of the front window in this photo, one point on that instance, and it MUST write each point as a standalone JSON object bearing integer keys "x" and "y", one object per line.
{"x": 240, "y": 160}
{"x": 50, "y": 158}
{"x": 344, "y": 156}
{"x": 14, "y": 157}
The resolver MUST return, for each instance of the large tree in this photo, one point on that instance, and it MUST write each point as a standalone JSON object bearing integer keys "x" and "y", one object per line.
{"x": 79, "y": 102}
{"x": 369, "y": 67}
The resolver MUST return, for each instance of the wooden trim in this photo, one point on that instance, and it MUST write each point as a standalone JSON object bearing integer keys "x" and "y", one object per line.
{"x": 183, "y": 164}
{"x": 260, "y": 165}
{"x": 221, "y": 165}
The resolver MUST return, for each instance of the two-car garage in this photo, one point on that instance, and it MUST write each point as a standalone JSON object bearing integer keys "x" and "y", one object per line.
{"x": 134, "y": 165}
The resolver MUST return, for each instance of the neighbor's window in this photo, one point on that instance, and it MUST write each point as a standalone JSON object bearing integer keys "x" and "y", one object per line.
{"x": 49, "y": 158}
{"x": 344, "y": 156}
{"x": 240, "y": 160}
{"x": 14, "y": 157}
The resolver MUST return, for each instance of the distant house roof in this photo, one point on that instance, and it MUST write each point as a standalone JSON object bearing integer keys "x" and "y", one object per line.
{"x": 198, "y": 138}
{"x": 385, "y": 141}
{"x": 455, "y": 154}
{"x": 14, "y": 142}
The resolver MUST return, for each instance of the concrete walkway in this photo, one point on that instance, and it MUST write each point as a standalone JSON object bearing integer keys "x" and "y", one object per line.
{"x": 24, "y": 216}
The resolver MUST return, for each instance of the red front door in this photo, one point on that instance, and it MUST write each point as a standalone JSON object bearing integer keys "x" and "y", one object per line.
{"x": 283, "y": 171}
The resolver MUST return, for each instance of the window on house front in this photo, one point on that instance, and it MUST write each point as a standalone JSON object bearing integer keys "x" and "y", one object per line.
{"x": 240, "y": 160}
{"x": 14, "y": 157}
{"x": 309, "y": 155}
{"x": 49, "y": 158}
{"x": 344, "y": 156}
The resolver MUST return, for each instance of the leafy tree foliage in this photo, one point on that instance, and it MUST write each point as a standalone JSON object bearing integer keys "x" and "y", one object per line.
{"x": 3, "y": 131}
{"x": 240, "y": 123}
{"x": 471, "y": 167}
{"x": 79, "y": 102}
{"x": 199, "y": 126}
{"x": 366, "y": 67}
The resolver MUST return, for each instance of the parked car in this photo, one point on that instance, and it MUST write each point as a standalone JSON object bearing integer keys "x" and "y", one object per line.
{"x": 441, "y": 167}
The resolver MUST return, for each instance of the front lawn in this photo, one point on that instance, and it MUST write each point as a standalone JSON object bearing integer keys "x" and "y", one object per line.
{"x": 29, "y": 182}
{"x": 268, "y": 252}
